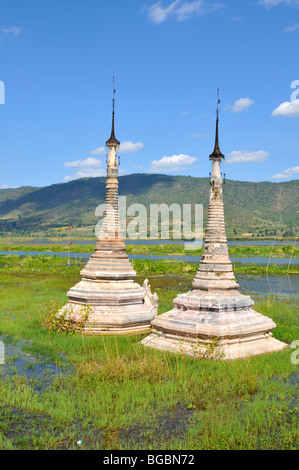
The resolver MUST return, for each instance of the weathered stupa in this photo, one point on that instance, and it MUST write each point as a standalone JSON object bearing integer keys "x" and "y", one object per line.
{"x": 214, "y": 319}
{"x": 116, "y": 303}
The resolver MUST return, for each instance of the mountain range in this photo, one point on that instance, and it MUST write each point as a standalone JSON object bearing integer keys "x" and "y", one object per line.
{"x": 251, "y": 209}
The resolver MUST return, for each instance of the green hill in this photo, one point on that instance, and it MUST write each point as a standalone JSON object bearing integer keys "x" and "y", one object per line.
{"x": 259, "y": 209}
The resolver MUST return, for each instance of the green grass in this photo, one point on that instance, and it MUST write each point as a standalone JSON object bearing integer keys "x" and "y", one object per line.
{"x": 54, "y": 264}
{"x": 46, "y": 247}
{"x": 238, "y": 250}
{"x": 121, "y": 395}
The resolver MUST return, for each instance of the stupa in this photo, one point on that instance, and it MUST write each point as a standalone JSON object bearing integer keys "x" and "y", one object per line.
{"x": 116, "y": 303}
{"x": 214, "y": 319}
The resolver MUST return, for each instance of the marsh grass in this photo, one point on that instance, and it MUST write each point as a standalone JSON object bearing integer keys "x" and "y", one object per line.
{"x": 121, "y": 395}
{"x": 61, "y": 267}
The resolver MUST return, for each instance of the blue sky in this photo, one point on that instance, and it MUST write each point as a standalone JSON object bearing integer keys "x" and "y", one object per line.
{"x": 57, "y": 60}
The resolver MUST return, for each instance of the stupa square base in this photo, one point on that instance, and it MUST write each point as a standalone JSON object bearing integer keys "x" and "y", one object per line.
{"x": 213, "y": 325}
{"x": 116, "y": 320}
{"x": 233, "y": 348}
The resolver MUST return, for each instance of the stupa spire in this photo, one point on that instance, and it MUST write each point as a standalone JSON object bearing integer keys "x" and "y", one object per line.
{"x": 216, "y": 152}
{"x": 215, "y": 259}
{"x": 112, "y": 140}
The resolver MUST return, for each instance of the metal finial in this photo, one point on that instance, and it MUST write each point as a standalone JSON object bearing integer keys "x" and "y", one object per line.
{"x": 216, "y": 152}
{"x": 113, "y": 99}
{"x": 113, "y": 140}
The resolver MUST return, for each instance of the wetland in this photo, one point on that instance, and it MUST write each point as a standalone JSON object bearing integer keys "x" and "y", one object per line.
{"x": 59, "y": 388}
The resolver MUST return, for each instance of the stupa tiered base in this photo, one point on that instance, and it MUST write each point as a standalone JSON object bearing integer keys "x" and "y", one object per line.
{"x": 213, "y": 325}
{"x": 115, "y": 303}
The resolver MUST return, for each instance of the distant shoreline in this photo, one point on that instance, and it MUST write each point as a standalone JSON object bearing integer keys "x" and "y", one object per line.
{"x": 143, "y": 240}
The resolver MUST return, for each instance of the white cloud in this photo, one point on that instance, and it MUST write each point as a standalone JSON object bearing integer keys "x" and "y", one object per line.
{"x": 291, "y": 29}
{"x": 98, "y": 151}
{"x": 158, "y": 14}
{"x": 92, "y": 173}
{"x": 5, "y": 186}
{"x": 274, "y": 3}
{"x": 245, "y": 156}
{"x": 125, "y": 147}
{"x": 88, "y": 173}
{"x": 185, "y": 113}
{"x": 180, "y": 9}
{"x": 287, "y": 109}
{"x": 88, "y": 162}
{"x": 13, "y": 30}
{"x": 90, "y": 168}
{"x": 201, "y": 136}
{"x": 240, "y": 105}
{"x": 173, "y": 163}
{"x": 288, "y": 173}
{"x": 128, "y": 147}
{"x": 270, "y": 3}
{"x": 122, "y": 172}
{"x": 189, "y": 9}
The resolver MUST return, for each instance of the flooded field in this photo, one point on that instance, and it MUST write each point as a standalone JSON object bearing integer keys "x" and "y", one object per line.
{"x": 36, "y": 369}
{"x": 63, "y": 391}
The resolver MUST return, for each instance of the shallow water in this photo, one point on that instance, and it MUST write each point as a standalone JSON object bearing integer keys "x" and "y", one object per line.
{"x": 264, "y": 286}
{"x": 161, "y": 242}
{"x": 187, "y": 258}
{"x": 230, "y": 242}
{"x": 259, "y": 287}
{"x": 234, "y": 259}
{"x": 38, "y": 371}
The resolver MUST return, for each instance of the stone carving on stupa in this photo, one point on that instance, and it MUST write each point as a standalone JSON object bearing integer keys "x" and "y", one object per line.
{"x": 214, "y": 319}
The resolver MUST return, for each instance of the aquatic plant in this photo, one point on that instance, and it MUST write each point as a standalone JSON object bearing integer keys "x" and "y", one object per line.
{"x": 47, "y": 264}
{"x": 64, "y": 321}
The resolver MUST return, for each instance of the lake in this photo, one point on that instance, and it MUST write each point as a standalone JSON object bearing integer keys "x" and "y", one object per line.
{"x": 263, "y": 286}
{"x": 160, "y": 242}
{"x": 187, "y": 258}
